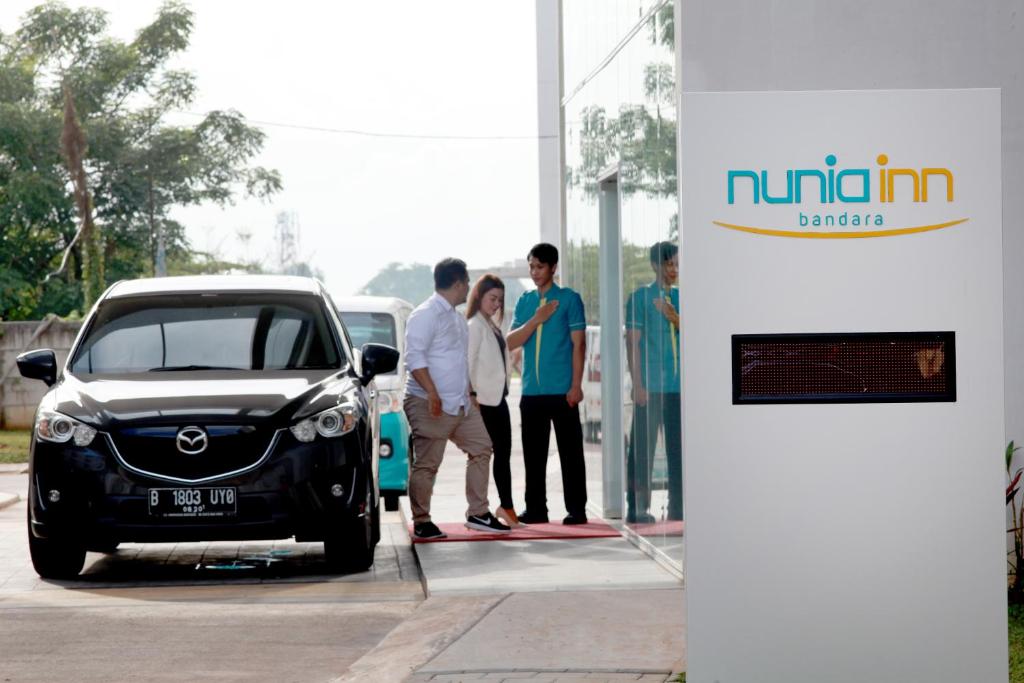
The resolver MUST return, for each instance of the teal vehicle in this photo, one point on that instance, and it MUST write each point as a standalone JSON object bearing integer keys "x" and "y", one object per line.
{"x": 382, "y": 320}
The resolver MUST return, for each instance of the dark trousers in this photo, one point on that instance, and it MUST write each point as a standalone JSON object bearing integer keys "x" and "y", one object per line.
{"x": 499, "y": 427}
{"x": 660, "y": 413}
{"x": 538, "y": 414}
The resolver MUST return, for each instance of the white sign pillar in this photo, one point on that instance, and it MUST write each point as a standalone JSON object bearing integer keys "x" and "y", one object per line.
{"x": 843, "y": 490}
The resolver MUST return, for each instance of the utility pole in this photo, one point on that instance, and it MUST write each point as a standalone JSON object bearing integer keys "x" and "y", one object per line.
{"x": 286, "y": 233}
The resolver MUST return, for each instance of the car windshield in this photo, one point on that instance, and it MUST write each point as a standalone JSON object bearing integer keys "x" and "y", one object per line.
{"x": 366, "y": 327}
{"x": 226, "y": 331}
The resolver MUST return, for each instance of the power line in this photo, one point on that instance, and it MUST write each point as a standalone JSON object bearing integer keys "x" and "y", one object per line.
{"x": 378, "y": 134}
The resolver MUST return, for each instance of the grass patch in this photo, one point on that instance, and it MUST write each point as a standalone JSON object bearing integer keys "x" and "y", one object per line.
{"x": 14, "y": 445}
{"x": 1016, "y": 643}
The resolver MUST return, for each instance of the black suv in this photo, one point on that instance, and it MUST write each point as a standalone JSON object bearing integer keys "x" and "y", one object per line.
{"x": 206, "y": 408}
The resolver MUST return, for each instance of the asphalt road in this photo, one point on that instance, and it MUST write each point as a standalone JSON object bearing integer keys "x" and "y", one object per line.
{"x": 193, "y": 612}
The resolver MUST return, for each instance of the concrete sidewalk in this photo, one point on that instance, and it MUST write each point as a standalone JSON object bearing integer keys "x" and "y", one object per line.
{"x": 588, "y": 609}
{"x": 10, "y": 483}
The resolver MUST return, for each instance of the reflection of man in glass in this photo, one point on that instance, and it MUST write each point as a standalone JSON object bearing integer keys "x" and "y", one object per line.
{"x": 652, "y": 335}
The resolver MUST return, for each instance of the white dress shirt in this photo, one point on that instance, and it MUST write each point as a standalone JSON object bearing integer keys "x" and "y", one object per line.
{"x": 437, "y": 338}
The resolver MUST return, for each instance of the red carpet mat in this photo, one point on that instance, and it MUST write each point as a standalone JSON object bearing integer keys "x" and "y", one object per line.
{"x": 664, "y": 528}
{"x": 457, "y": 531}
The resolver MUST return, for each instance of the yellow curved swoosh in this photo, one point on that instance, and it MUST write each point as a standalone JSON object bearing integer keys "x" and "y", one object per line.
{"x": 840, "y": 235}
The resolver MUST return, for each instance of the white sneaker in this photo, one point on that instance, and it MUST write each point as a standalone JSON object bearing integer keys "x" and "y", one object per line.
{"x": 486, "y": 522}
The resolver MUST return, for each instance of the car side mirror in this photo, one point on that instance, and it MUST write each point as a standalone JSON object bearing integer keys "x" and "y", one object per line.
{"x": 377, "y": 359}
{"x": 39, "y": 364}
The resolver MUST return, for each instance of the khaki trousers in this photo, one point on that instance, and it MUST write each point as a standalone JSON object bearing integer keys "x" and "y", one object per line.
{"x": 430, "y": 436}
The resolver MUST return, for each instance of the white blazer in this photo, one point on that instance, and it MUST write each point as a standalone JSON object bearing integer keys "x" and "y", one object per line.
{"x": 486, "y": 372}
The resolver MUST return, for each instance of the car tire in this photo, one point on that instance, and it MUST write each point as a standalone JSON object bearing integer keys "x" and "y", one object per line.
{"x": 56, "y": 559}
{"x": 391, "y": 501}
{"x": 105, "y": 547}
{"x": 349, "y": 544}
{"x": 349, "y": 548}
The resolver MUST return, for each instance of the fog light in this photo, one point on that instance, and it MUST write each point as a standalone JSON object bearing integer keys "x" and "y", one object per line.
{"x": 337, "y": 491}
{"x": 385, "y": 450}
{"x": 53, "y": 496}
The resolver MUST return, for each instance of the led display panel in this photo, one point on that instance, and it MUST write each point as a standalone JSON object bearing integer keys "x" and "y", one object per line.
{"x": 875, "y": 367}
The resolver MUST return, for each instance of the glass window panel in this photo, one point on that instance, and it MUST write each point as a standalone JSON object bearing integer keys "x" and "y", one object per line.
{"x": 626, "y": 116}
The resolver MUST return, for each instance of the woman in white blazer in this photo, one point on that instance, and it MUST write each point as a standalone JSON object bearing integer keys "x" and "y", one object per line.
{"x": 489, "y": 369}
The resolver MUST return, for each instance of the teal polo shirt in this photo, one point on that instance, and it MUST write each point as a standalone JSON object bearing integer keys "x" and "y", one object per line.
{"x": 660, "y": 358}
{"x": 548, "y": 369}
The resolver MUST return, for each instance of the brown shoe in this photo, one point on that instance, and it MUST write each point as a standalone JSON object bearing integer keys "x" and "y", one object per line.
{"x": 508, "y": 516}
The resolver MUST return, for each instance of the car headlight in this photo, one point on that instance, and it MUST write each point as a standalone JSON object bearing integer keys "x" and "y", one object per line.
{"x": 329, "y": 423}
{"x": 57, "y": 428}
{"x": 389, "y": 402}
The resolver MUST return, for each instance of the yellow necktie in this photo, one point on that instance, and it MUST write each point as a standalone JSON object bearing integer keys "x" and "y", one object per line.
{"x": 536, "y": 351}
{"x": 672, "y": 335}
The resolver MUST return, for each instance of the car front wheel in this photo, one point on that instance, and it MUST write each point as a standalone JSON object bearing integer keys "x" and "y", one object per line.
{"x": 56, "y": 558}
{"x": 350, "y": 541}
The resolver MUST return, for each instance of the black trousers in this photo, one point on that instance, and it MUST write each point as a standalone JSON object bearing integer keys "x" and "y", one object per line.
{"x": 499, "y": 427}
{"x": 539, "y": 413}
{"x": 661, "y": 413}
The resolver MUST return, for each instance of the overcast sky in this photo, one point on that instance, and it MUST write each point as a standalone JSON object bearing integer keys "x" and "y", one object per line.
{"x": 457, "y": 67}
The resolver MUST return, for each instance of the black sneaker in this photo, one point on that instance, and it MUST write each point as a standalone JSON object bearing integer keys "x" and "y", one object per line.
{"x": 428, "y": 531}
{"x": 577, "y": 518}
{"x": 526, "y": 517}
{"x": 486, "y": 522}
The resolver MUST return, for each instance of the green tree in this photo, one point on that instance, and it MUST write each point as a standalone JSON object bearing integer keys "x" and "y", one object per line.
{"x": 413, "y": 282}
{"x": 137, "y": 167}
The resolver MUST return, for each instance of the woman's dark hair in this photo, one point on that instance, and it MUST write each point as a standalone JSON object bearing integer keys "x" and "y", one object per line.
{"x": 485, "y": 284}
{"x": 449, "y": 271}
{"x": 545, "y": 253}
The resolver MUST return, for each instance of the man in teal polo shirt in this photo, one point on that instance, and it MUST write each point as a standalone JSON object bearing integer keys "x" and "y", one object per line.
{"x": 652, "y": 334}
{"x": 550, "y": 326}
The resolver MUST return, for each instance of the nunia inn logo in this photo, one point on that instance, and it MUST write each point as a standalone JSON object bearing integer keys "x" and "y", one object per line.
{"x": 847, "y": 198}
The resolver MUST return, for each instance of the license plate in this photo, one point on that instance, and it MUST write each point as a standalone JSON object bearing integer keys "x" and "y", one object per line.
{"x": 206, "y": 502}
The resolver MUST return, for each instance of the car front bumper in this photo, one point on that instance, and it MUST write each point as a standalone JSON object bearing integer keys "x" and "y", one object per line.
{"x": 291, "y": 493}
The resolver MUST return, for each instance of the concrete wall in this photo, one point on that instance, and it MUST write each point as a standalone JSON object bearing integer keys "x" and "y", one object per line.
{"x": 19, "y": 396}
{"x": 758, "y": 45}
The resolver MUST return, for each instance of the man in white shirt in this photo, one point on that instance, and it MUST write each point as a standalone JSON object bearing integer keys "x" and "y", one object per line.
{"x": 439, "y": 402}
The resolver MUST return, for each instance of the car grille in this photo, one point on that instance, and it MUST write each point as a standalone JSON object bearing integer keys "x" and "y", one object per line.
{"x": 230, "y": 449}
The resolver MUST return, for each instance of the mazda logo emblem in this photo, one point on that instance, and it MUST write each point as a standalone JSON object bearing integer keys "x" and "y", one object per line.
{"x": 192, "y": 440}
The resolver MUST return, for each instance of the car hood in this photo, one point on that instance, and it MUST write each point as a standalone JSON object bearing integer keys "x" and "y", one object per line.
{"x": 207, "y": 396}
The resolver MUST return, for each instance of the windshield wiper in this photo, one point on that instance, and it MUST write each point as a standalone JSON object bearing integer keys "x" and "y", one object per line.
{"x": 170, "y": 368}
